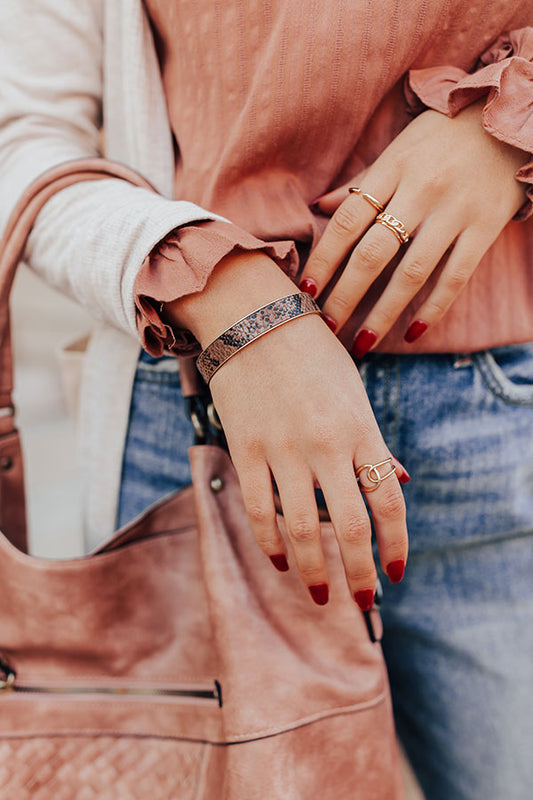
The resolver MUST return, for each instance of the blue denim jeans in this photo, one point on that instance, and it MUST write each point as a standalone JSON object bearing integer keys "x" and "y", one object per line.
{"x": 459, "y": 628}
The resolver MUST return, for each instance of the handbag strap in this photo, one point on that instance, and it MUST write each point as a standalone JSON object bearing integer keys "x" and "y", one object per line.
{"x": 12, "y": 245}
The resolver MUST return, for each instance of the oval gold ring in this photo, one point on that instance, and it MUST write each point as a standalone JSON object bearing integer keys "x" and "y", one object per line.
{"x": 368, "y": 197}
{"x": 393, "y": 224}
{"x": 373, "y": 475}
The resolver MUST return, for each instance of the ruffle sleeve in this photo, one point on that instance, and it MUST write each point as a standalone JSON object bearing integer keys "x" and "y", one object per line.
{"x": 180, "y": 265}
{"x": 504, "y": 75}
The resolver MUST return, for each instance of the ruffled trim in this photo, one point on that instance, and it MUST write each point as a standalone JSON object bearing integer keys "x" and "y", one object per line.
{"x": 180, "y": 265}
{"x": 504, "y": 75}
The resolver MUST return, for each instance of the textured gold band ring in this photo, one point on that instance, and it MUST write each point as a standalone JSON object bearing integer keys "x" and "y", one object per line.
{"x": 368, "y": 197}
{"x": 373, "y": 475}
{"x": 394, "y": 225}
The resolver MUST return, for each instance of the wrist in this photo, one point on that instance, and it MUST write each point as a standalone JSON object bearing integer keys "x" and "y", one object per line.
{"x": 239, "y": 284}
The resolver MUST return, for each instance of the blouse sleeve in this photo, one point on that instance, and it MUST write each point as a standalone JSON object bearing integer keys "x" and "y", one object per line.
{"x": 180, "y": 265}
{"x": 504, "y": 76}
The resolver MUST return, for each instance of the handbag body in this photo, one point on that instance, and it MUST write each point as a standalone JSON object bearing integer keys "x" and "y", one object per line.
{"x": 174, "y": 662}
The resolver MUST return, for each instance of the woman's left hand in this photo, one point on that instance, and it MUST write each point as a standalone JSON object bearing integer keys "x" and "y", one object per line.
{"x": 452, "y": 186}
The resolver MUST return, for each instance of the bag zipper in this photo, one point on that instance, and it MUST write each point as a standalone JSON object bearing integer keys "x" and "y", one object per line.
{"x": 8, "y": 683}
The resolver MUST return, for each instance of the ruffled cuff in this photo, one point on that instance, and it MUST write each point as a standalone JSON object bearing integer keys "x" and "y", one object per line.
{"x": 504, "y": 75}
{"x": 180, "y": 265}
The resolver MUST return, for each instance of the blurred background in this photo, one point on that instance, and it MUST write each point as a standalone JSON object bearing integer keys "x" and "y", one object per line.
{"x": 44, "y": 321}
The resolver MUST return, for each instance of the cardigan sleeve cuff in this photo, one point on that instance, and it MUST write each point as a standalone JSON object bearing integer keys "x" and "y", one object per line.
{"x": 504, "y": 76}
{"x": 180, "y": 265}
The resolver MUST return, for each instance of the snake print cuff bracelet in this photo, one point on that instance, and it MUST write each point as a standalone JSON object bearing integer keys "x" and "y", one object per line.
{"x": 250, "y": 328}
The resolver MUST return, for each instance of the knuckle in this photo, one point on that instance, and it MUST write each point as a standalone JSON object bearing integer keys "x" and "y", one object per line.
{"x": 340, "y": 306}
{"x": 344, "y": 221}
{"x": 286, "y": 442}
{"x": 355, "y": 530}
{"x": 414, "y": 273}
{"x": 302, "y": 529}
{"x": 396, "y": 548}
{"x": 382, "y": 318}
{"x": 436, "y": 308}
{"x": 311, "y": 574}
{"x": 432, "y": 181}
{"x": 392, "y": 506}
{"x": 324, "y": 437}
{"x": 370, "y": 256}
{"x": 259, "y": 515}
{"x": 319, "y": 263}
{"x": 253, "y": 448}
{"x": 458, "y": 278}
{"x": 268, "y": 544}
{"x": 358, "y": 576}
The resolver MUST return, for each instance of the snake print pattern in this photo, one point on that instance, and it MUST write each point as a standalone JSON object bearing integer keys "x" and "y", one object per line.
{"x": 251, "y": 328}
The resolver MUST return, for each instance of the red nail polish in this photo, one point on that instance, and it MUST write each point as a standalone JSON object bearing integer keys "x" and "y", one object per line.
{"x": 362, "y": 343}
{"x": 320, "y": 593}
{"x": 364, "y": 599}
{"x": 330, "y": 322}
{"x": 404, "y": 476}
{"x": 415, "y": 330}
{"x": 280, "y": 562}
{"x": 395, "y": 570}
{"x": 309, "y": 286}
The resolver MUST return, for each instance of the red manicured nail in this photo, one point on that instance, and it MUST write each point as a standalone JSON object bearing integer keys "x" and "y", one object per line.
{"x": 364, "y": 599}
{"x": 415, "y": 330}
{"x": 309, "y": 286}
{"x": 404, "y": 476}
{"x": 395, "y": 570}
{"x": 320, "y": 593}
{"x": 330, "y": 322}
{"x": 280, "y": 562}
{"x": 362, "y": 343}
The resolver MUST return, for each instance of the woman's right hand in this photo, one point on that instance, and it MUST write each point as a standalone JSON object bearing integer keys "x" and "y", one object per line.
{"x": 293, "y": 407}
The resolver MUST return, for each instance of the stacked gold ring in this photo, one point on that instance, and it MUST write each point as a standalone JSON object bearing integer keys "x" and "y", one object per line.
{"x": 393, "y": 224}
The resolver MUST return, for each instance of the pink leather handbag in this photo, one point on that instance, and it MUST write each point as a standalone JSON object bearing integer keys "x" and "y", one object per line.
{"x": 174, "y": 663}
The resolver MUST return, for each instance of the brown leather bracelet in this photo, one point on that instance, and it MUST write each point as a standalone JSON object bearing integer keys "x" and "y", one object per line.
{"x": 252, "y": 327}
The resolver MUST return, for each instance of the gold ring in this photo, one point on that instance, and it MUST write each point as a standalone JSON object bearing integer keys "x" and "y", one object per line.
{"x": 368, "y": 197}
{"x": 373, "y": 475}
{"x": 394, "y": 225}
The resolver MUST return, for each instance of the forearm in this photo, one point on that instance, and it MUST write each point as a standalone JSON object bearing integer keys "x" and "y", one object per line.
{"x": 240, "y": 283}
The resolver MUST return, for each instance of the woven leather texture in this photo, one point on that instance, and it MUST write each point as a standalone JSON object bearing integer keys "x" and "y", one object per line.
{"x": 99, "y": 768}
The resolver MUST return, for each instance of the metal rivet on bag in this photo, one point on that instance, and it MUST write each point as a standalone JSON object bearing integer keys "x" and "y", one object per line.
{"x": 217, "y": 484}
{"x": 6, "y": 462}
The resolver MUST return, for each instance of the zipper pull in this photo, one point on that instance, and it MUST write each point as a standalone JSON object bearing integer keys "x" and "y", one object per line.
{"x": 7, "y": 675}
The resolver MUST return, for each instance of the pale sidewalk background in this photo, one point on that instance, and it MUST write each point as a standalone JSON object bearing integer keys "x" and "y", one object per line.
{"x": 43, "y": 321}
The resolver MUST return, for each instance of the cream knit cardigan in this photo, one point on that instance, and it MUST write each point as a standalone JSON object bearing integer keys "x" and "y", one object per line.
{"x": 66, "y": 66}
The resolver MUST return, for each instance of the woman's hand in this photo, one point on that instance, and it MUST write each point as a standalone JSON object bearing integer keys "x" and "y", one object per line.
{"x": 294, "y": 409}
{"x": 452, "y": 186}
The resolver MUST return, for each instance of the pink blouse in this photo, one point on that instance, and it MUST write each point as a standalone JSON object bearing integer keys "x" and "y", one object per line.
{"x": 275, "y": 103}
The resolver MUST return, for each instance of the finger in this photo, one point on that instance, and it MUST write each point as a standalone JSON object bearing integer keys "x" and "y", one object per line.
{"x": 420, "y": 260}
{"x": 377, "y": 247}
{"x": 387, "y": 507}
{"x": 459, "y": 269}
{"x": 296, "y": 493}
{"x": 258, "y": 496}
{"x": 353, "y": 531}
{"x": 369, "y": 258}
{"x": 347, "y": 224}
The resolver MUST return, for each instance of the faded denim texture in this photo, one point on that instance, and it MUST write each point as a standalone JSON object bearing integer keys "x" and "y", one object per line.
{"x": 459, "y": 628}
